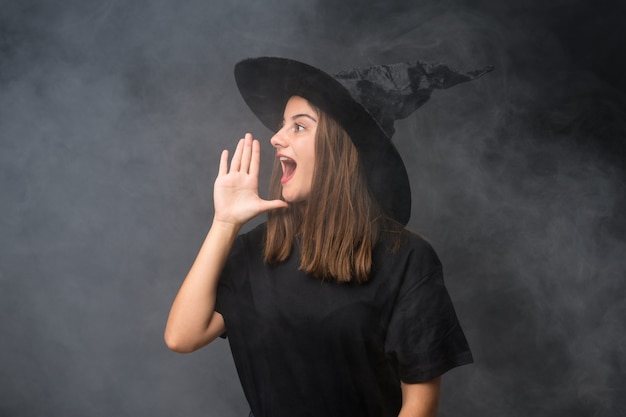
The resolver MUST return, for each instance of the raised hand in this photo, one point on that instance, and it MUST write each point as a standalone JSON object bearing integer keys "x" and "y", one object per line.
{"x": 236, "y": 190}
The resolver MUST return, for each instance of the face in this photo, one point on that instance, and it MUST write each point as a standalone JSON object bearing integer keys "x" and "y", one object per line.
{"x": 295, "y": 147}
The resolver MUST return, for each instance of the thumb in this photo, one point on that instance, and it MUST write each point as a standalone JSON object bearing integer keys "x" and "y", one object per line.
{"x": 267, "y": 205}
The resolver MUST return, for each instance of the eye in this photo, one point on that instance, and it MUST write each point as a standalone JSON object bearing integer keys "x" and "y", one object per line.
{"x": 298, "y": 127}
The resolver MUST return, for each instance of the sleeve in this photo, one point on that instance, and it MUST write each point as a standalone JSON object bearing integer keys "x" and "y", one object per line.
{"x": 226, "y": 286}
{"x": 225, "y": 283}
{"x": 424, "y": 333}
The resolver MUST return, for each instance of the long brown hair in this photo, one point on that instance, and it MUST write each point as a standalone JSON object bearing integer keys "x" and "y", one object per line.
{"x": 338, "y": 226}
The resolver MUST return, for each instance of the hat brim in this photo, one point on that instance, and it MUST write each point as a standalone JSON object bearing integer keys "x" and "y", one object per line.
{"x": 267, "y": 83}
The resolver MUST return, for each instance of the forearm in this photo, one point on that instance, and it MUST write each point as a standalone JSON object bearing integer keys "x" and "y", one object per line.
{"x": 189, "y": 323}
{"x": 420, "y": 400}
{"x": 419, "y": 412}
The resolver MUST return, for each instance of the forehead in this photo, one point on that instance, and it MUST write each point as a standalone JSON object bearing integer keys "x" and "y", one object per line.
{"x": 299, "y": 105}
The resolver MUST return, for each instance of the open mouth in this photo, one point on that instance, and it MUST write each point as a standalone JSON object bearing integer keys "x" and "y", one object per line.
{"x": 289, "y": 168}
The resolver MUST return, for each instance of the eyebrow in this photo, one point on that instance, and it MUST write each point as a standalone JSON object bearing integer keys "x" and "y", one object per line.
{"x": 297, "y": 116}
{"x": 294, "y": 117}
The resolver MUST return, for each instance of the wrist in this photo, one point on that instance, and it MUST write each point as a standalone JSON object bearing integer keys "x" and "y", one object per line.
{"x": 225, "y": 226}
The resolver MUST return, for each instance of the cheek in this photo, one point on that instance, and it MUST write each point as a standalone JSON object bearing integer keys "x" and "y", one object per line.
{"x": 312, "y": 152}
{"x": 311, "y": 163}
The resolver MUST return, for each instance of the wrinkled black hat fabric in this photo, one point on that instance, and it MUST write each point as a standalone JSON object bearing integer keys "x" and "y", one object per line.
{"x": 365, "y": 102}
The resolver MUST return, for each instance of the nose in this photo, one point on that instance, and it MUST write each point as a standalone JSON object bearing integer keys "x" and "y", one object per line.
{"x": 278, "y": 140}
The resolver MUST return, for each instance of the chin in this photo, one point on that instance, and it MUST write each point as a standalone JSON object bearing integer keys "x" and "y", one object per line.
{"x": 291, "y": 198}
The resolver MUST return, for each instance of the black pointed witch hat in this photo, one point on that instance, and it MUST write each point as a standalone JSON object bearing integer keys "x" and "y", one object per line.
{"x": 365, "y": 102}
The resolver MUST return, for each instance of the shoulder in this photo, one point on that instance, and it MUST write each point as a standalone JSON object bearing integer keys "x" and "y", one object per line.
{"x": 254, "y": 236}
{"x": 423, "y": 251}
{"x": 409, "y": 249}
{"x": 248, "y": 244}
{"x": 245, "y": 255}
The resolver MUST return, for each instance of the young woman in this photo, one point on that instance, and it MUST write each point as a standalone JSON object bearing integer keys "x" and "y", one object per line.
{"x": 331, "y": 307}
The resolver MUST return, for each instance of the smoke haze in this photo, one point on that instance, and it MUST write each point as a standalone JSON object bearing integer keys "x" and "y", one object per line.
{"x": 112, "y": 118}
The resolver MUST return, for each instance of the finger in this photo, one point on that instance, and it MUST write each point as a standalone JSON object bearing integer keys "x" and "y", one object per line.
{"x": 247, "y": 153}
{"x": 235, "y": 164}
{"x": 223, "y": 169}
{"x": 256, "y": 158}
{"x": 273, "y": 204}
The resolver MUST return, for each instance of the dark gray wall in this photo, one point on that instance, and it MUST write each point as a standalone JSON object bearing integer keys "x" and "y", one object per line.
{"x": 112, "y": 117}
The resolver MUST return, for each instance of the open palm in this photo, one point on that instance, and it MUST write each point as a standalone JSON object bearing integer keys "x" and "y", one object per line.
{"x": 236, "y": 191}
